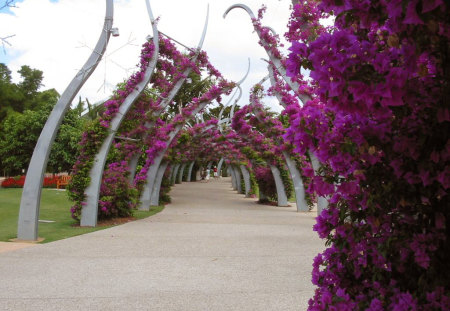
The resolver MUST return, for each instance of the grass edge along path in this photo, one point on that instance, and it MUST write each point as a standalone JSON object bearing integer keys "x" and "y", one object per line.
{"x": 54, "y": 215}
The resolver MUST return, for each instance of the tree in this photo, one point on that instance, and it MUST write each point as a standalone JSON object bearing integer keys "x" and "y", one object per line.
{"x": 5, "y": 74}
{"x": 31, "y": 82}
{"x": 18, "y": 137}
{"x": 65, "y": 148}
{"x": 20, "y": 132}
{"x": 10, "y": 95}
{"x": 24, "y": 95}
{"x": 195, "y": 88}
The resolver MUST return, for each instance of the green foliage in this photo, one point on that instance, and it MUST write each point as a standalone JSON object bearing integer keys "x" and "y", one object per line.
{"x": 20, "y": 132}
{"x": 92, "y": 137}
{"x": 166, "y": 184}
{"x": 195, "y": 88}
{"x": 10, "y": 95}
{"x": 266, "y": 183}
{"x": 31, "y": 80}
{"x": 119, "y": 199}
{"x": 284, "y": 119}
{"x": 215, "y": 111}
{"x": 287, "y": 182}
{"x": 253, "y": 184}
{"x": 66, "y": 146}
{"x": 93, "y": 110}
{"x": 184, "y": 138}
{"x": 18, "y": 136}
{"x": 241, "y": 181}
{"x": 23, "y": 113}
{"x": 22, "y": 96}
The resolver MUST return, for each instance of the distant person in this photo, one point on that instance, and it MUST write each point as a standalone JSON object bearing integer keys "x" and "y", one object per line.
{"x": 216, "y": 175}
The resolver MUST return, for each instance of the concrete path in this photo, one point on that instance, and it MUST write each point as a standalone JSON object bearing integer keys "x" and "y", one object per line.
{"x": 211, "y": 249}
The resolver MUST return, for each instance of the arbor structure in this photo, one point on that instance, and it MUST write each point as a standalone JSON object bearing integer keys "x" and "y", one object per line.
{"x": 365, "y": 137}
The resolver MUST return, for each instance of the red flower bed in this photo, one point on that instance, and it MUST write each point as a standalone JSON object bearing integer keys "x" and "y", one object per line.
{"x": 18, "y": 182}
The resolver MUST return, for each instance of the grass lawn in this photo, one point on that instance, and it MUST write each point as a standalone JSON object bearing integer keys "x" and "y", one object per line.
{"x": 55, "y": 206}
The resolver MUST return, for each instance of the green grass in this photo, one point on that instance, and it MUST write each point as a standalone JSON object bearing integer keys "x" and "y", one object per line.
{"x": 55, "y": 206}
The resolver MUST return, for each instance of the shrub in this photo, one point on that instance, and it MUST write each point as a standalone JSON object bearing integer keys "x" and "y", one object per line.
{"x": 19, "y": 181}
{"x": 266, "y": 182}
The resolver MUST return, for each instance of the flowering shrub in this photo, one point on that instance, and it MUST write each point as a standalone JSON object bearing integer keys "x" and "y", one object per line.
{"x": 94, "y": 136}
{"x": 164, "y": 197}
{"x": 143, "y": 130}
{"x": 379, "y": 124}
{"x": 266, "y": 182}
{"x": 19, "y": 181}
{"x": 13, "y": 182}
{"x": 117, "y": 197}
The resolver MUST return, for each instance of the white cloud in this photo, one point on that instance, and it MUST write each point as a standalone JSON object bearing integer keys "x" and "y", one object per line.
{"x": 55, "y": 38}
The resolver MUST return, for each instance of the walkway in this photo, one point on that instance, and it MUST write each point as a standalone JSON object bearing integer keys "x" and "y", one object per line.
{"x": 211, "y": 249}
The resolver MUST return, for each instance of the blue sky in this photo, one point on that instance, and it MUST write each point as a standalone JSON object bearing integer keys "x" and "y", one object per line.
{"x": 8, "y": 56}
{"x": 15, "y": 3}
{"x": 56, "y": 36}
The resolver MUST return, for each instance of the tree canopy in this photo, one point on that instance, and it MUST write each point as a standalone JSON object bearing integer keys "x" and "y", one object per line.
{"x": 24, "y": 109}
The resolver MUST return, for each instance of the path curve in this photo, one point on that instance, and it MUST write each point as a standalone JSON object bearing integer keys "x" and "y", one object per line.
{"x": 211, "y": 249}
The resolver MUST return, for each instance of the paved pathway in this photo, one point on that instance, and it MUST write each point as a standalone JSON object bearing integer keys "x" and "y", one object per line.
{"x": 211, "y": 249}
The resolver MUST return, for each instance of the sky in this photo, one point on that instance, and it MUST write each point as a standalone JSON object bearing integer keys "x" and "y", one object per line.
{"x": 56, "y": 36}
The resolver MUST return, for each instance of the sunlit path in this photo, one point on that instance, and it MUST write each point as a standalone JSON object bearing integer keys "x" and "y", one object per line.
{"x": 211, "y": 249}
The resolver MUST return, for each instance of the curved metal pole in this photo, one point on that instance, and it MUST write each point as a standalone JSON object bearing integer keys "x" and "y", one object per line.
{"x": 237, "y": 173}
{"x": 235, "y": 102}
{"x": 282, "y": 199}
{"x": 274, "y": 83}
{"x": 296, "y": 177}
{"x": 240, "y": 90}
{"x": 171, "y": 172}
{"x": 180, "y": 174}
{"x": 227, "y": 121}
{"x": 189, "y": 176}
{"x": 31, "y": 195}
{"x": 233, "y": 177}
{"x": 238, "y": 84}
{"x": 157, "y": 186}
{"x": 322, "y": 202}
{"x": 219, "y": 167}
{"x": 90, "y": 209}
{"x": 246, "y": 176}
{"x": 299, "y": 188}
{"x": 263, "y": 80}
{"x": 240, "y": 6}
{"x": 147, "y": 193}
{"x": 173, "y": 92}
{"x": 226, "y": 105}
{"x": 246, "y": 74}
{"x": 132, "y": 165}
{"x": 176, "y": 88}
{"x": 175, "y": 174}
{"x": 277, "y": 62}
